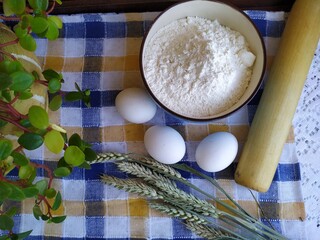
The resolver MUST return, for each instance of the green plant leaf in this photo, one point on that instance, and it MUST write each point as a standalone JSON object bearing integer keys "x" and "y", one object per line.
{"x": 50, "y": 193}
{"x": 56, "y": 20}
{"x": 45, "y": 217}
{"x": 59, "y": 2}
{"x": 51, "y": 74}
{"x": 73, "y": 96}
{"x": 38, "y": 117}
{"x": 54, "y": 85}
{"x": 6, "y": 95}
{"x": 85, "y": 165}
{"x": 54, "y": 141}
{"x": 5, "y": 148}
{"x": 11, "y": 7}
{"x": 16, "y": 193}
{"x": 6, "y": 222}
{"x": 24, "y": 235}
{"x": 30, "y": 141}
{"x": 90, "y": 154}
{"x": 55, "y": 103}
{"x": 58, "y": 219}
{"x": 5, "y": 191}
{"x": 25, "y": 95}
{"x": 42, "y": 186}
{"x": 28, "y": 43}
{"x": 57, "y": 202}
{"x": 25, "y": 21}
{"x": 39, "y": 4}
{"x": 21, "y": 81}
{"x": 39, "y": 24}
{"x": 19, "y": 31}
{"x": 37, "y": 213}
{"x": 75, "y": 140}
{"x": 25, "y": 171}
{"x": 52, "y": 32}
{"x": 30, "y": 191}
{"x": 74, "y": 156}
{"x": 19, "y": 159}
{"x": 3, "y": 123}
{"x": 61, "y": 172}
{"x": 25, "y": 123}
{"x": 5, "y": 80}
{"x": 11, "y": 212}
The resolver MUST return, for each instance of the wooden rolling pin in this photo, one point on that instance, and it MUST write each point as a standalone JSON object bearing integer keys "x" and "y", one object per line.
{"x": 273, "y": 119}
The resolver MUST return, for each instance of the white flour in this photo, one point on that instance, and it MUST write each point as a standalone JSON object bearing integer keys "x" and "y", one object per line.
{"x": 197, "y": 67}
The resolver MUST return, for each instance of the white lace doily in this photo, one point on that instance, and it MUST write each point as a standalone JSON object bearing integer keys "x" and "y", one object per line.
{"x": 306, "y": 124}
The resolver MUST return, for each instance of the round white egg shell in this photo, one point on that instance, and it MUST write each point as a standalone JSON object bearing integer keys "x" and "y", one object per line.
{"x": 164, "y": 144}
{"x": 217, "y": 151}
{"x": 135, "y": 105}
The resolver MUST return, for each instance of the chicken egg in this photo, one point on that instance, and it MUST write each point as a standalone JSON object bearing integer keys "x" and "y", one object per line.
{"x": 217, "y": 151}
{"x": 135, "y": 105}
{"x": 164, "y": 144}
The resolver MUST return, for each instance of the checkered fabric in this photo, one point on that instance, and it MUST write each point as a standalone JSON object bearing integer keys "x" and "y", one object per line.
{"x": 100, "y": 52}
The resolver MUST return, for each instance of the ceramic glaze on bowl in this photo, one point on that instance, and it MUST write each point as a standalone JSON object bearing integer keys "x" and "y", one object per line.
{"x": 228, "y": 16}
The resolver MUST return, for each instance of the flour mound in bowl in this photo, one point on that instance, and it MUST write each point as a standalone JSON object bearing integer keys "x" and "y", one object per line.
{"x": 197, "y": 67}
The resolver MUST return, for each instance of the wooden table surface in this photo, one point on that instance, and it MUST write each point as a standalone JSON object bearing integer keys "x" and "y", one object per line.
{"x": 95, "y": 6}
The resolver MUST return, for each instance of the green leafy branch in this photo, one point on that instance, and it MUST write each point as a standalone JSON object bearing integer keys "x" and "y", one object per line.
{"x": 31, "y": 128}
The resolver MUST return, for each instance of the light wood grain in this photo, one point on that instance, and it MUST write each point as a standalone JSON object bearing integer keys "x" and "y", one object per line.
{"x": 272, "y": 121}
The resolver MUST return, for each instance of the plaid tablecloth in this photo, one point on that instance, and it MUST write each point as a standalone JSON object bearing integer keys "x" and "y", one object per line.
{"x": 100, "y": 52}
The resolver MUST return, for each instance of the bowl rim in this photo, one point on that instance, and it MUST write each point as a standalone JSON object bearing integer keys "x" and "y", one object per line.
{"x": 204, "y": 119}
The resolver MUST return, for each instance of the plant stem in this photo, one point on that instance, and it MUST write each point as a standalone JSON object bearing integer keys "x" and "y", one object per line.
{"x": 15, "y": 123}
{"x": 9, "y": 18}
{"x": 8, "y": 55}
{"x": 15, "y": 41}
{"x": 52, "y": 8}
{"x": 47, "y": 169}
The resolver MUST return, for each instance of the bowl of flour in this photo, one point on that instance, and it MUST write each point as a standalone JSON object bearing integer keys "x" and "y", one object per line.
{"x": 202, "y": 60}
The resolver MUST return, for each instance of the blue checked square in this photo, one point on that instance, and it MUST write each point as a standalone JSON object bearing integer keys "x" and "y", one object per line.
{"x": 288, "y": 172}
{"x": 180, "y": 230}
{"x": 115, "y": 29}
{"x": 109, "y": 97}
{"x": 90, "y": 117}
{"x": 94, "y": 30}
{"x": 112, "y": 169}
{"x": 275, "y": 28}
{"x": 261, "y": 25}
{"x": 77, "y": 174}
{"x": 172, "y": 120}
{"x": 94, "y": 190}
{"x": 94, "y": 172}
{"x": 91, "y": 80}
{"x": 92, "y": 17}
{"x": 95, "y": 99}
{"x": 94, "y": 47}
{"x": 95, "y": 227}
{"x": 272, "y": 195}
{"x": 74, "y": 30}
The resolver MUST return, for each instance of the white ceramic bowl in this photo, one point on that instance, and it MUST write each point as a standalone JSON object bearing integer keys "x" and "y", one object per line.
{"x": 227, "y": 15}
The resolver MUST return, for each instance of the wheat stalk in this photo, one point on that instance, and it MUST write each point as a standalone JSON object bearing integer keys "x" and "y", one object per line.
{"x": 177, "y": 212}
{"x": 140, "y": 171}
{"x": 109, "y": 156}
{"x": 132, "y": 186}
{"x": 205, "y": 231}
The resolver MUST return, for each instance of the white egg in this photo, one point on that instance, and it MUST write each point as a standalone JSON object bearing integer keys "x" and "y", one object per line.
{"x": 217, "y": 151}
{"x": 135, "y": 105}
{"x": 164, "y": 144}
